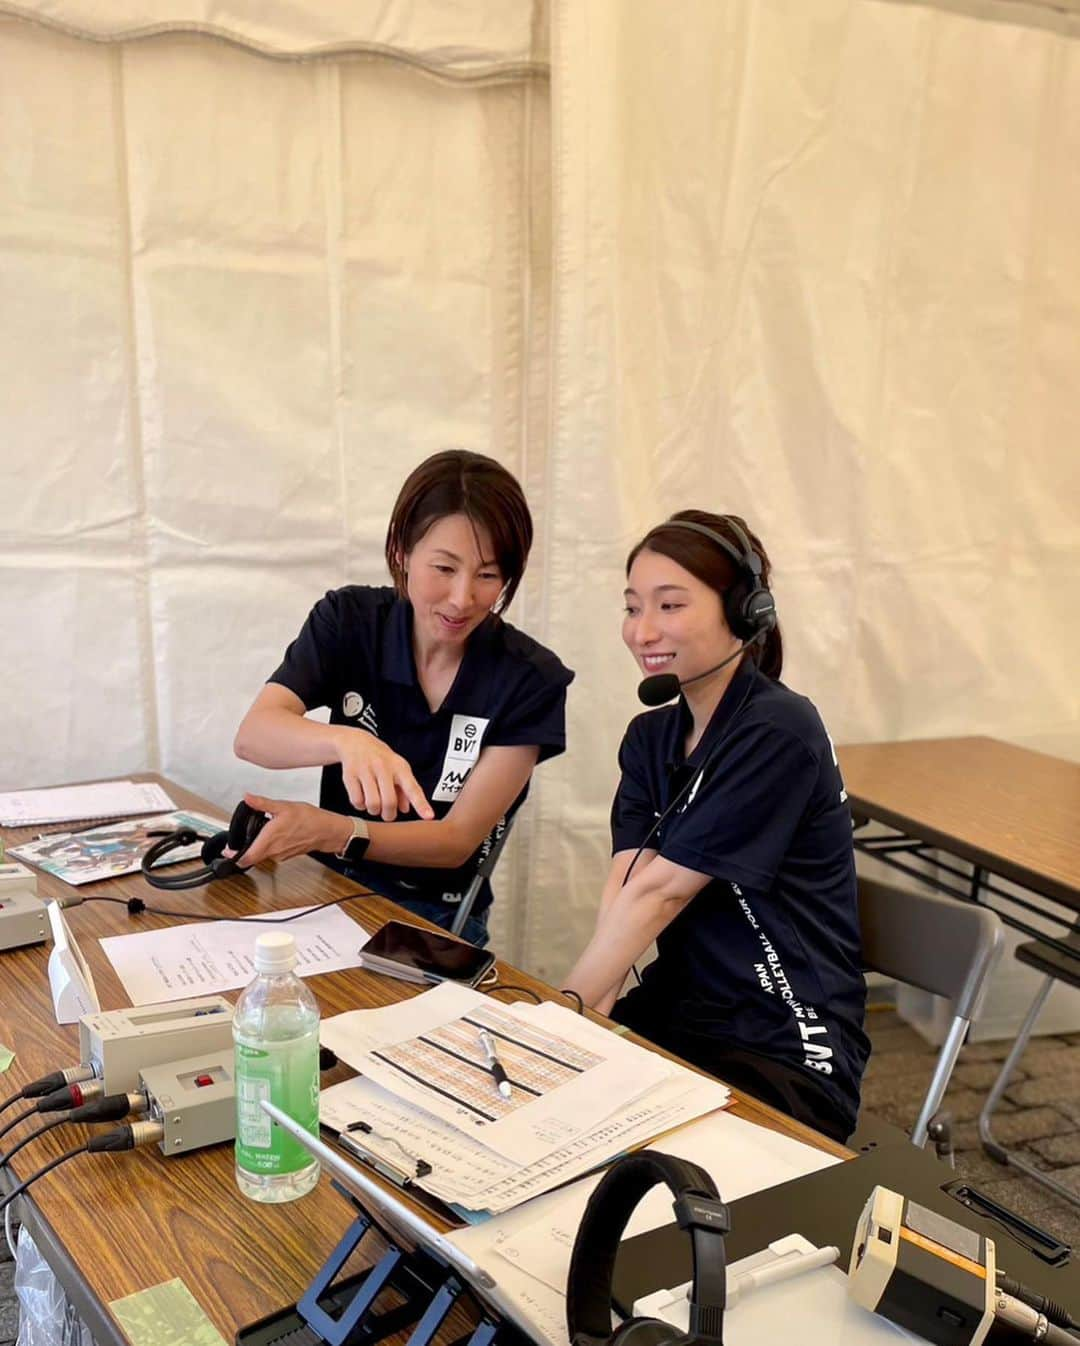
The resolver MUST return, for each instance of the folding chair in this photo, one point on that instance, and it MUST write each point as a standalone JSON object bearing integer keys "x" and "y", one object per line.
{"x": 940, "y": 945}
{"x": 499, "y": 833}
{"x": 1057, "y": 966}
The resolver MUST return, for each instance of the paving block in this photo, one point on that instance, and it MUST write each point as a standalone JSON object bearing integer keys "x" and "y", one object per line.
{"x": 1058, "y": 1149}
{"x": 1036, "y": 1204}
{"x": 9, "y": 1305}
{"x": 897, "y": 1064}
{"x": 1041, "y": 1090}
{"x": 1025, "y": 1124}
{"x": 963, "y": 1104}
{"x": 982, "y": 1074}
{"x": 985, "y": 1051}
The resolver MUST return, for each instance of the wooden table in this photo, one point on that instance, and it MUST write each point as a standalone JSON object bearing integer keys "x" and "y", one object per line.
{"x": 1004, "y": 811}
{"x": 111, "y": 1225}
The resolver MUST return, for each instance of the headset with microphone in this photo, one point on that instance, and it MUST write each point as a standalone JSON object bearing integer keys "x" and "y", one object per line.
{"x": 697, "y": 1208}
{"x": 244, "y": 826}
{"x": 749, "y": 607}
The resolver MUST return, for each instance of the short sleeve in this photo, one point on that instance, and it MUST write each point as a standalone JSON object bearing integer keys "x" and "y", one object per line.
{"x": 310, "y": 659}
{"x": 633, "y": 814}
{"x": 535, "y": 716}
{"x": 740, "y": 822}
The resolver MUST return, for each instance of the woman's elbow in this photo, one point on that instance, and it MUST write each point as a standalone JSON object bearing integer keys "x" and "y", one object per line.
{"x": 245, "y": 744}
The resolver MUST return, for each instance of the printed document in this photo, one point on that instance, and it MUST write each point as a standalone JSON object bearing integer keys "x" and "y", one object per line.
{"x": 429, "y": 1053}
{"x": 528, "y": 1249}
{"x": 212, "y": 956}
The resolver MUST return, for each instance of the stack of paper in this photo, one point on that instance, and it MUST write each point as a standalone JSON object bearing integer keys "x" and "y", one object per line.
{"x": 528, "y": 1250}
{"x": 427, "y": 1108}
{"x": 74, "y": 803}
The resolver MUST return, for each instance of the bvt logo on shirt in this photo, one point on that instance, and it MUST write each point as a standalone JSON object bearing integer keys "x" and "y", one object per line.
{"x": 462, "y": 751}
{"x": 353, "y": 707}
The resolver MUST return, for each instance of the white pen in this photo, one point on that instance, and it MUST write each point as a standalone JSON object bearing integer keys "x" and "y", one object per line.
{"x": 498, "y": 1074}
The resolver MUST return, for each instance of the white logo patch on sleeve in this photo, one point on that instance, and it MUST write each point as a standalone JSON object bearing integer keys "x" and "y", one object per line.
{"x": 462, "y": 751}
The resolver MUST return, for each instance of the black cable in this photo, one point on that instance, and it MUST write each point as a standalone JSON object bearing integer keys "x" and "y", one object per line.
{"x": 45, "y": 1126}
{"x": 48, "y": 1168}
{"x": 573, "y": 995}
{"x": 136, "y": 906}
{"x": 14, "y": 1122}
{"x": 111, "y": 1108}
{"x": 1056, "y": 1312}
{"x": 46, "y": 1083}
{"x": 513, "y": 986}
{"x": 698, "y": 775}
{"x": 120, "y": 1138}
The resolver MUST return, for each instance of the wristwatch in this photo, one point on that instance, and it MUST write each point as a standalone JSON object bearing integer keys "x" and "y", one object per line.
{"x": 357, "y": 844}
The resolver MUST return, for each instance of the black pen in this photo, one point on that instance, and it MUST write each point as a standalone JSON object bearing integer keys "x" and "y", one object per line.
{"x": 498, "y": 1074}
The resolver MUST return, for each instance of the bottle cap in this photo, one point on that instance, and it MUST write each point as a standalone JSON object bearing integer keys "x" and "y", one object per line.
{"x": 275, "y": 951}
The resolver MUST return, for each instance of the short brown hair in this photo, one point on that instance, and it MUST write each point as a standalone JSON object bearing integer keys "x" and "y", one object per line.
{"x": 714, "y": 567}
{"x": 457, "y": 481}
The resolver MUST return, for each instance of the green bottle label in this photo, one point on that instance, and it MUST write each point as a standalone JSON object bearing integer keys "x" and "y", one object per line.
{"x": 287, "y": 1073}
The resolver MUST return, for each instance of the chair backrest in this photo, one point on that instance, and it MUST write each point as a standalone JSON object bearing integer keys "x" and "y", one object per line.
{"x": 483, "y": 871}
{"x": 937, "y": 943}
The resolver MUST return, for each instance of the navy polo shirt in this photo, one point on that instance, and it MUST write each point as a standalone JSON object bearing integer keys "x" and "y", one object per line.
{"x": 767, "y": 956}
{"x": 354, "y": 655}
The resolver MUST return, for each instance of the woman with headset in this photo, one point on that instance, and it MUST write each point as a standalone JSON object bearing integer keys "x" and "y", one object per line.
{"x": 439, "y": 709}
{"x": 731, "y": 840}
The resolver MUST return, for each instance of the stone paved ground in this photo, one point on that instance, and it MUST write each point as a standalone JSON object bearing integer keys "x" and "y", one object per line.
{"x": 1039, "y": 1116}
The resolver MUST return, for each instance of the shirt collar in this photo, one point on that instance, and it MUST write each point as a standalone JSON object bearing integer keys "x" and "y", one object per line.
{"x": 477, "y": 666}
{"x": 737, "y": 692}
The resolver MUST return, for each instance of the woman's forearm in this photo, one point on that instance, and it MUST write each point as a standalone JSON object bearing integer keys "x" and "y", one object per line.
{"x": 274, "y": 737}
{"x": 624, "y": 931}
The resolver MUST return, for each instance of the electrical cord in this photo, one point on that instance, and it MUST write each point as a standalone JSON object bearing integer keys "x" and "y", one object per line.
{"x": 71, "y": 1096}
{"x": 1049, "y": 1308}
{"x": 513, "y": 986}
{"x": 136, "y": 906}
{"x": 111, "y": 1108}
{"x": 698, "y": 775}
{"x": 47, "y": 1083}
{"x": 121, "y": 1138}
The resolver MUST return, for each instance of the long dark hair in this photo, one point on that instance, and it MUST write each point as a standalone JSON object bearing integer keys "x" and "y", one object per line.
{"x": 714, "y": 567}
{"x": 457, "y": 481}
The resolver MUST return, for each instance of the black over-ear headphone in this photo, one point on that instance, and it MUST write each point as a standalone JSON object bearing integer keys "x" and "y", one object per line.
{"x": 697, "y": 1207}
{"x": 749, "y": 607}
{"x": 244, "y": 826}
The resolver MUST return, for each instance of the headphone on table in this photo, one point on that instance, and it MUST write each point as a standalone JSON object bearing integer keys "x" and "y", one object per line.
{"x": 697, "y": 1208}
{"x": 749, "y": 607}
{"x": 244, "y": 826}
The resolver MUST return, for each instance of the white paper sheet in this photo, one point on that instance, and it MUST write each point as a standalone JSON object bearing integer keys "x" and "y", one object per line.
{"x": 740, "y": 1156}
{"x": 79, "y": 803}
{"x": 468, "y": 1174}
{"x": 427, "y": 1051}
{"x": 212, "y": 956}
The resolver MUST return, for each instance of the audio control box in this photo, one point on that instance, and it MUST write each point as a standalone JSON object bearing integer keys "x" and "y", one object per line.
{"x": 23, "y": 918}
{"x": 194, "y": 1100}
{"x": 120, "y": 1043}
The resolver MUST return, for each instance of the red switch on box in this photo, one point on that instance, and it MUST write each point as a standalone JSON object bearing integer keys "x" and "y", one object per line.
{"x": 202, "y": 1080}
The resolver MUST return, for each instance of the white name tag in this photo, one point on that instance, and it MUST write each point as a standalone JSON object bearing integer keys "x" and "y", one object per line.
{"x": 462, "y": 751}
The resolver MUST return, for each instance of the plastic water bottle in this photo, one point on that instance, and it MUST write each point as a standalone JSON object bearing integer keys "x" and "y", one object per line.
{"x": 276, "y": 1036}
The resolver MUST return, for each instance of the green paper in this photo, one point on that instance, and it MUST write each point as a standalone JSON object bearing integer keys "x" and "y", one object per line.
{"x": 6, "y": 1057}
{"x": 165, "y": 1315}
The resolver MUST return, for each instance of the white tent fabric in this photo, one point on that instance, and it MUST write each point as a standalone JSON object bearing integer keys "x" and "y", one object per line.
{"x": 460, "y": 40}
{"x": 815, "y": 264}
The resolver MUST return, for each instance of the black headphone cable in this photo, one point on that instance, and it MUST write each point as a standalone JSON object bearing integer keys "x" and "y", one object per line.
{"x": 698, "y": 775}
